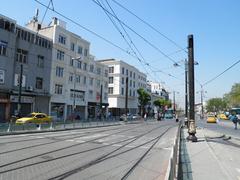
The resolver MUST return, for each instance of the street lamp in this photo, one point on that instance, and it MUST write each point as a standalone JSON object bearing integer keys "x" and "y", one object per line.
{"x": 74, "y": 84}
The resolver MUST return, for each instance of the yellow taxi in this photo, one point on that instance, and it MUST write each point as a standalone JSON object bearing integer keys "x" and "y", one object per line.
{"x": 211, "y": 118}
{"x": 222, "y": 116}
{"x": 38, "y": 118}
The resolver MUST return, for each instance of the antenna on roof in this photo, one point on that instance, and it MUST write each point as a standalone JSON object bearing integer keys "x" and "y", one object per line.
{"x": 35, "y": 18}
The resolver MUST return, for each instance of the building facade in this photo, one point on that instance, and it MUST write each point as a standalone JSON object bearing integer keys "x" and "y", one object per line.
{"x": 76, "y": 78}
{"x": 118, "y": 72}
{"x": 23, "y": 50}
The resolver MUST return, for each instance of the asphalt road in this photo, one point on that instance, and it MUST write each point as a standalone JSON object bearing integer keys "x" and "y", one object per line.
{"x": 131, "y": 151}
{"x": 223, "y": 126}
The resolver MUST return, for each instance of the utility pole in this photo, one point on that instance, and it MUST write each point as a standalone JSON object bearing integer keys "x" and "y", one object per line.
{"x": 186, "y": 91}
{"x": 192, "y": 125}
{"x": 202, "y": 102}
{"x": 126, "y": 97}
{"x": 101, "y": 91}
{"x": 174, "y": 104}
{"x": 20, "y": 90}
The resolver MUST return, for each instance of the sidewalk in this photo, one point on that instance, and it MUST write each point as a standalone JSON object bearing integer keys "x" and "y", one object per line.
{"x": 209, "y": 158}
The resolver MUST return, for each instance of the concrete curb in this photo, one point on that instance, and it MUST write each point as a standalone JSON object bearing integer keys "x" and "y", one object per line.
{"x": 52, "y": 130}
{"x": 172, "y": 169}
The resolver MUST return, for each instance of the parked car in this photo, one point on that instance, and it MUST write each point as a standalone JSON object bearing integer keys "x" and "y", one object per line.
{"x": 38, "y": 118}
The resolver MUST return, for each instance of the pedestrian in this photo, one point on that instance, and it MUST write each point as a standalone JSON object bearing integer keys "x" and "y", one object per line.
{"x": 145, "y": 116}
{"x": 234, "y": 119}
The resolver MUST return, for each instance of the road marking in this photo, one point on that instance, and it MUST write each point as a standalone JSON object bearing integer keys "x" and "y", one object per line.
{"x": 69, "y": 140}
{"x": 238, "y": 170}
{"x": 117, "y": 145}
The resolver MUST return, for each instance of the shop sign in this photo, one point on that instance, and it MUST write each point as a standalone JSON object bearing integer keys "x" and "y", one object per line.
{"x": 24, "y": 99}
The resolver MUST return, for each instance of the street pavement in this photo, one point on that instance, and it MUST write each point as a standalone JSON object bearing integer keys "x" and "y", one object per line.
{"x": 214, "y": 156}
{"x": 127, "y": 151}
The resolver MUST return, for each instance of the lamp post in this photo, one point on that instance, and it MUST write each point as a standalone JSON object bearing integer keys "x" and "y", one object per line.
{"x": 74, "y": 84}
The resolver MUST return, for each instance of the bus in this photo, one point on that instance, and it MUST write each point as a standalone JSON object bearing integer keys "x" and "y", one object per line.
{"x": 236, "y": 110}
{"x": 169, "y": 114}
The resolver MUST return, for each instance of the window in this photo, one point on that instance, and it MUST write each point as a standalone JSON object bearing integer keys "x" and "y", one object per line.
{"x": 110, "y": 80}
{"x": 122, "y": 91}
{"x": 84, "y": 80}
{"x": 122, "y": 80}
{"x": 2, "y": 76}
{"x": 85, "y": 52}
{"x": 134, "y": 93}
{"x": 99, "y": 71}
{"x": 122, "y": 70}
{"x": 40, "y": 62}
{"x": 59, "y": 71}
{"x": 130, "y": 83}
{"x": 60, "y": 55}
{"x": 79, "y": 50}
{"x": 39, "y": 83}
{"x": 85, "y": 66}
{"x": 91, "y": 81}
{"x": 90, "y": 94}
{"x": 106, "y": 73}
{"x": 78, "y": 78}
{"x": 98, "y": 83}
{"x": 79, "y": 64}
{"x": 130, "y": 73}
{"x": 58, "y": 89}
{"x": 110, "y": 90}
{"x": 106, "y": 85}
{"x": 62, "y": 39}
{"x": 3, "y": 48}
{"x": 22, "y": 56}
{"x": 134, "y": 75}
{"x": 130, "y": 92}
{"x": 105, "y": 96}
{"x": 70, "y": 77}
{"x": 91, "y": 68}
{"x": 71, "y": 61}
{"x": 127, "y": 72}
{"x": 72, "y": 46}
{"x": 111, "y": 69}
{"x": 134, "y": 84}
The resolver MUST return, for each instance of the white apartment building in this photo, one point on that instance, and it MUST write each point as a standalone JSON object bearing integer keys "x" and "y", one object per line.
{"x": 76, "y": 78}
{"x": 117, "y": 72}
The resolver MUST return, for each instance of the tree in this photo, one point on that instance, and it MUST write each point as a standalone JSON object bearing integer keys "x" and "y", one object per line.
{"x": 143, "y": 99}
{"x": 216, "y": 105}
{"x": 233, "y": 97}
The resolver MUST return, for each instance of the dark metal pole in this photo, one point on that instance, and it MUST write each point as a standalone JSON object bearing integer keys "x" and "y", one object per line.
{"x": 192, "y": 125}
{"x": 101, "y": 91}
{"x": 174, "y": 105}
{"x": 20, "y": 90}
{"x": 126, "y": 97}
{"x": 201, "y": 102}
{"x": 186, "y": 91}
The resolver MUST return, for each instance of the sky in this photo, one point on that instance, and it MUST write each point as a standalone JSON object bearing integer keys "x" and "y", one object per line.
{"x": 214, "y": 24}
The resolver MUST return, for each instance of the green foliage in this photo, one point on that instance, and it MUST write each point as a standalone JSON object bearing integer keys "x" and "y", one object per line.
{"x": 216, "y": 105}
{"x": 143, "y": 98}
{"x": 161, "y": 103}
{"x": 233, "y": 97}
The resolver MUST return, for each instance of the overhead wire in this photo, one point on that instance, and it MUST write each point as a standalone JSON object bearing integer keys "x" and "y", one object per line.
{"x": 151, "y": 26}
{"x": 214, "y": 78}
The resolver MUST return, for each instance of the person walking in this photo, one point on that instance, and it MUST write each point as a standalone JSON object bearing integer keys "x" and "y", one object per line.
{"x": 145, "y": 116}
{"x": 234, "y": 119}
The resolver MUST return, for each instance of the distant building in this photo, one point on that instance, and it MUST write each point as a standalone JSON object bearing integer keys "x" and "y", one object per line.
{"x": 157, "y": 91}
{"x": 21, "y": 46}
{"x": 118, "y": 72}
{"x": 76, "y": 78}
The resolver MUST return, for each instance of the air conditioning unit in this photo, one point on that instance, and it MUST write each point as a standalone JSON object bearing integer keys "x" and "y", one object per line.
{"x": 29, "y": 88}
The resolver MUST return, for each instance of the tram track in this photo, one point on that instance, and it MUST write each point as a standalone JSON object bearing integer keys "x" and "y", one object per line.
{"x": 73, "y": 154}
{"x": 108, "y": 156}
